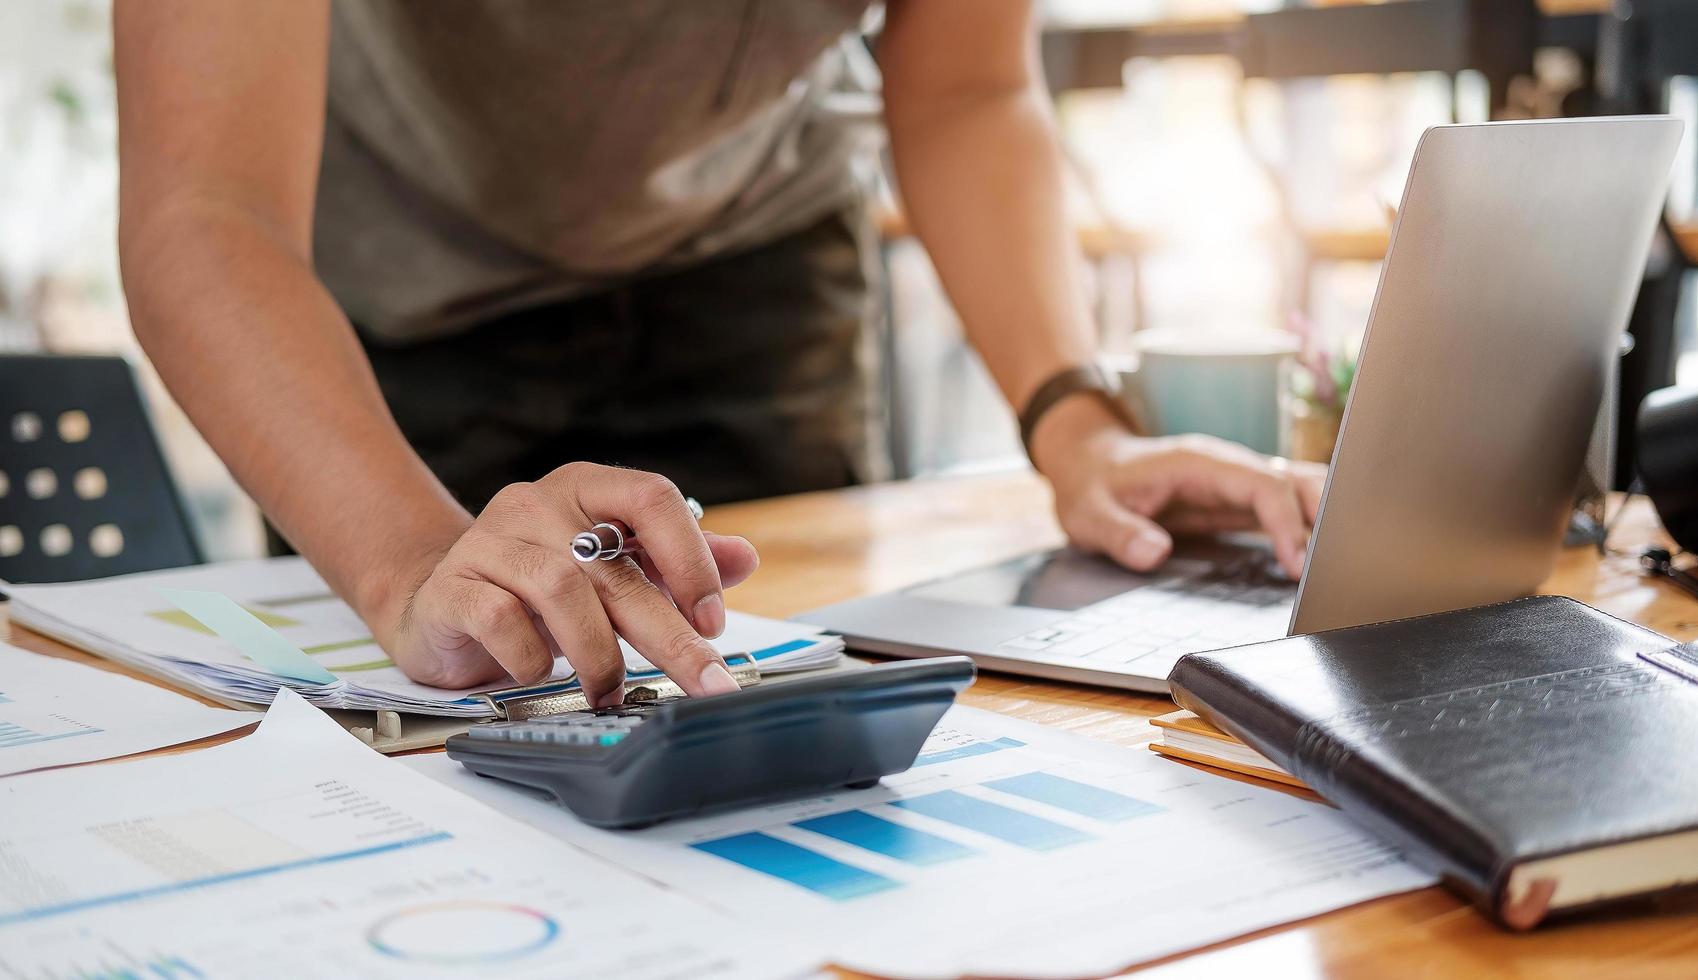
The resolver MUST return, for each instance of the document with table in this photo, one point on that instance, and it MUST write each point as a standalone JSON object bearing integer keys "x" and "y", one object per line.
{"x": 1003, "y": 833}
{"x": 299, "y": 852}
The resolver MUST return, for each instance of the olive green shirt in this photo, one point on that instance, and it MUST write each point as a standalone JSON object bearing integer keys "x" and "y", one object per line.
{"x": 482, "y": 158}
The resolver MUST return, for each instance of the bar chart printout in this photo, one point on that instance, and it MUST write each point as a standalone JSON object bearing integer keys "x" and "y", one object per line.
{"x": 49, "y": 728}
{"x": 118, "y": 962}
{"x": 1002, "y": 831}
{"x": 47, "y": 704}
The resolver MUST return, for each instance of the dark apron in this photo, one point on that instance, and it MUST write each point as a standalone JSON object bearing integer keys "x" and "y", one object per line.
{"x": 747, "y": 376}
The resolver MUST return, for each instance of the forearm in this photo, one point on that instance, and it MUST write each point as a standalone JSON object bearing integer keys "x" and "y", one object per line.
{"x": 981, "y": 181}
{"x": 267, "y": 366}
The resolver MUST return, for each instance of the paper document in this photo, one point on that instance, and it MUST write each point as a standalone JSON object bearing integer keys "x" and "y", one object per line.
{"x": 133, "y": 619}
{"x": 55, "y": 713}
{"x": 298, "y": 852}
{"x": 777, "y": 646}
{"x": 1009, "y": 849}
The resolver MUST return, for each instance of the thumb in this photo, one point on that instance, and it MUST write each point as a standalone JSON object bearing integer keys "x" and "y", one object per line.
{"x": 1102, "y": 524}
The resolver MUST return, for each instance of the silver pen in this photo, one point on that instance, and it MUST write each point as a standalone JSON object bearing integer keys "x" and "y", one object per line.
{"x": 614, "y": 539}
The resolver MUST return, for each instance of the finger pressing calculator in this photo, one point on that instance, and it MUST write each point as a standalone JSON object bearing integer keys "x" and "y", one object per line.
{"x": 637, "y": 764}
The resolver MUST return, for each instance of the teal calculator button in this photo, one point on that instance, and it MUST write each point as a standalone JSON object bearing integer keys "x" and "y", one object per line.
{"x": 612, "y": 738}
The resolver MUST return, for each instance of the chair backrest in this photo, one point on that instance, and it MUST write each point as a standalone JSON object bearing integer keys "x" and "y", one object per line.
{"x": 84, "y": 492}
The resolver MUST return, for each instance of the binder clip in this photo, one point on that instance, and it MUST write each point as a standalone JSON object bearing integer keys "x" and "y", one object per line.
{"x": 559, "y": 697}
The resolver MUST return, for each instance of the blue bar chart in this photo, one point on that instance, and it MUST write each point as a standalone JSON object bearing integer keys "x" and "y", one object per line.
{"x": 881, "y": 836}
{"x": 1016, "y": 827}
{"x": 798, "y": 865}
{"x": 137, "y": 967}
{"x": 12, "y": 735}
{"x": 841, "y": 879}
{"x": 969, "y": 801}
{"x": 1073, "y": 796}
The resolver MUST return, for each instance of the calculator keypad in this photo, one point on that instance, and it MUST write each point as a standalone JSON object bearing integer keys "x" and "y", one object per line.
{"x": 601, "y": 728}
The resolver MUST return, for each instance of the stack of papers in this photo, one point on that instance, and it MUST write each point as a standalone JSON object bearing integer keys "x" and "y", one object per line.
{"x": 132, "y": 619}
{"x": 1185, "y": 735}
{"x": 298, "y": 852}
{"x": 55, "y": 713}
{"x": 776, "y": 646}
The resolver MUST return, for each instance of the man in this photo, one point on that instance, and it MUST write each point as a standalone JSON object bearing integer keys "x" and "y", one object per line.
{"x": 569, "y": 232}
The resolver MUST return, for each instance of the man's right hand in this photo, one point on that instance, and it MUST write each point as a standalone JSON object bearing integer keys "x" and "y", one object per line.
{"x": 508, "y": 598}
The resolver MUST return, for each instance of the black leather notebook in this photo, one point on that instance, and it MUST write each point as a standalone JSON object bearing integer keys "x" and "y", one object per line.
{"x": 1539, "y": 754}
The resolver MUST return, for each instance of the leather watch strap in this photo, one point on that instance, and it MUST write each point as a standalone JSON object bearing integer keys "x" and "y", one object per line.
{"x": 1088, "y": 379}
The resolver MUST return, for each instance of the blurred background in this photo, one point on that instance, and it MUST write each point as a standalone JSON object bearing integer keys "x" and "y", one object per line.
{"x": 1234, "y": 167}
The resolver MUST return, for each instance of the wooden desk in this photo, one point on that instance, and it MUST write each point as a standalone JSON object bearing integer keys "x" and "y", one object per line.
{"x": 820, "y": 548}
{"x": 1370, "y": 244}
{"x": 1686, "y": 234}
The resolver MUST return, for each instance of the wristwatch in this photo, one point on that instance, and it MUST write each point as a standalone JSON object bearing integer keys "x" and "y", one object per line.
{"x": 1088, "y": 379}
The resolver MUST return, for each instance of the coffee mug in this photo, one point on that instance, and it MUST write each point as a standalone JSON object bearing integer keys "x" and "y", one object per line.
{"x": 1218, "y": 384}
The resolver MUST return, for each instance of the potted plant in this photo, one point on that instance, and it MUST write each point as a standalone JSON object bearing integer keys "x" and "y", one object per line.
{"x": 1316, "y": 390}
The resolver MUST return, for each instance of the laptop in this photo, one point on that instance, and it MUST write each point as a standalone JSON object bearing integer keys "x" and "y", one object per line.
{"x": 1512, "y": 269}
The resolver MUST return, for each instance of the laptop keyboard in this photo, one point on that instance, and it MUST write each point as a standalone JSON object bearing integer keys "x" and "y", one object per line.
{"x": 1146, "y": 631}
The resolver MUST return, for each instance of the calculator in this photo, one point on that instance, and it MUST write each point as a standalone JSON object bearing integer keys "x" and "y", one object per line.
{"x": 636, "y": 764}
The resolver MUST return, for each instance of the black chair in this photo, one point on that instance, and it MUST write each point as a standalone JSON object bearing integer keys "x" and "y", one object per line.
{"x": 84, "y": 492}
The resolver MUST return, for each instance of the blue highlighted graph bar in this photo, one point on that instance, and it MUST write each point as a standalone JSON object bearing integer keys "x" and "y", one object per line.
{"x": 885, "y": 837}
{"x": 1074, "y": 796}
{"x": 967, "y": 751}
{"x": 798, "y": 865}
{"x": 1014, "y": 826}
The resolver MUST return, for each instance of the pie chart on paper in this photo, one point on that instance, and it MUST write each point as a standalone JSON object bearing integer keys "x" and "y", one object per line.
{"x": 462, "y": 933}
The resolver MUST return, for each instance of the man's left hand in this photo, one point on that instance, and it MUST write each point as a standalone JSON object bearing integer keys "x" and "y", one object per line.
{"x": 1125, "y": 496}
